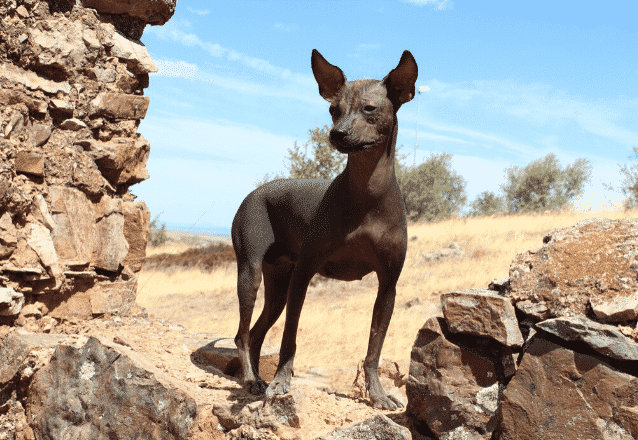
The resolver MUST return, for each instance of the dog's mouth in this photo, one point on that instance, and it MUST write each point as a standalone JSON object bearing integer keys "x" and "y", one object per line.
{"x": 346, "y": 147}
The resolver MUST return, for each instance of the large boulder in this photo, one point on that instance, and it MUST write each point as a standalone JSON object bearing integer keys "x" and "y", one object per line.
{"x": 591, "y": 264}
{"x": 561, "y": 394}
{"x": 481, "y": 312}
{"x": 100, "y": 393}
{"x": 451, "y": 386}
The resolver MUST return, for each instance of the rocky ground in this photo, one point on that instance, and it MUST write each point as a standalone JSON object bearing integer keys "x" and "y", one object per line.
{"x": 172, "y": 351}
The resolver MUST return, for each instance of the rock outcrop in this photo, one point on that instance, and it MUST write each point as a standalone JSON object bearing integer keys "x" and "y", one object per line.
{"x": 72, "y": 79}
{"x": 551, "y": 353}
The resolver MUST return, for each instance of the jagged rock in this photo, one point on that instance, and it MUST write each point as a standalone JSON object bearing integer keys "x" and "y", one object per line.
{"x": 558, "y": 394}
{"x": 105, "y": 75}
{"x": 110, "y": 246}
{"x": 134, "y": 54}
{"x": 87, "y": 233}
{"x": 481, "y": 312}
{"x": 31, "y": 80}
{"x": 451, "y": 387}
{"x": 73, "y": 124}
{"x": 377, "y": 427}
{"x": 137, "y": 219}
{"x": 41, "y": 212}
{"x": 11, "y": 302}
{"x": 112, "y": 395}
{"x": 22, "y": 11}
{"x": 593, "y": 260}
{"x": 119, "y": 105}
{"x": 281, "y": 413}
{"x": 39, "y": 134}
{"x": 30, "y": 163}
{"x": 536, "y": 310}
{"x": 91, "y": 41}
{"x": 39, "y": 239}
{"x": 62, "y": 106}
{"x": 58, "y": 43}
{"x": 74, "y": 217}
{"x": 155, "y": 12}
{"x": 23, "y": 355}
{"x": 121, "y": 161}
{"x": 8, "y": 236}
{"x": 11, "y": 97}
{"x": 619, "y": 309}
{"x": 500, "y": 285}
{"x": 12, "y": 121}
{"x": 603, "y": 338}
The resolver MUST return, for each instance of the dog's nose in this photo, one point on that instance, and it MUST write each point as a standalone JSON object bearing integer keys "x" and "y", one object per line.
{"x": 336, "y": 136}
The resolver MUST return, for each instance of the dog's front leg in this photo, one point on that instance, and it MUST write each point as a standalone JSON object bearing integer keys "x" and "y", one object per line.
{"x": 383, "y": 307}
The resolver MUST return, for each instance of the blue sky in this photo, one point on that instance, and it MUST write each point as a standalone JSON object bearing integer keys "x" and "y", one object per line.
{"x": 509, "y": 83}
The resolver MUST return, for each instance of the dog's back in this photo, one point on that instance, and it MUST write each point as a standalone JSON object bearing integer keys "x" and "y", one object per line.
{"x": 277, "y": 212}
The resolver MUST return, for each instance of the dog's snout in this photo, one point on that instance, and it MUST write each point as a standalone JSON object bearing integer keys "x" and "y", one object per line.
{"x": 337, "y": 136}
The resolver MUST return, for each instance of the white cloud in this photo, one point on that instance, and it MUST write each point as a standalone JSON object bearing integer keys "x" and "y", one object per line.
{"x": 199, "y": 12}
{"x": 439, "y": 5}
{"x": 479, "y": 136}
{"x": 538, "y": 104}
{"x": 259, "y": 64}
{"x": 177, "y": 69}
{"x": 301, "y": 90}
{"x": 172, "y": 32}
{"x": 429, "y": 136}
{"x": 286, "y": 27}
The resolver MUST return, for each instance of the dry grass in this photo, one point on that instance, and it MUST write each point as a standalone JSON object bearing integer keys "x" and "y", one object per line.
{"x": 335, "y": 322}
{"x": 171, "y": 248}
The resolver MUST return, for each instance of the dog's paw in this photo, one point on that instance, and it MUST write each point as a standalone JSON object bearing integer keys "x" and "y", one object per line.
{"x": 386, "y": 402}
{"x": 255, "y": 387}
{"x": 278, "y": 386}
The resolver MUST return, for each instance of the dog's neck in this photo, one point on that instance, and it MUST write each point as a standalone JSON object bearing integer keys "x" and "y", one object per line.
{"x": 370, "y": 174}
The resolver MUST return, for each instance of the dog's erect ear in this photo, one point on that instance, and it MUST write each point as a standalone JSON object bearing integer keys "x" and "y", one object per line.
{"x": 330, "y": 78}
{"x": 400, "y": 81}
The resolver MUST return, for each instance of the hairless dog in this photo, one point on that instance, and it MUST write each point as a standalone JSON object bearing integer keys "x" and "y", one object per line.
{"x": 290, "y": 229}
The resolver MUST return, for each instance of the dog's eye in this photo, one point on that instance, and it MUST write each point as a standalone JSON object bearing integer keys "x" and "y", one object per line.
{"x": 369, "y": 108}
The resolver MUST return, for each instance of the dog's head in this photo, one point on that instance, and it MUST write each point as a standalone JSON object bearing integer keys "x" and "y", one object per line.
{"x": 363, "y": 111}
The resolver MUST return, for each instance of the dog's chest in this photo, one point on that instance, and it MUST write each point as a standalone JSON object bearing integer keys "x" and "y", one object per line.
{"x": 352, "y": 261}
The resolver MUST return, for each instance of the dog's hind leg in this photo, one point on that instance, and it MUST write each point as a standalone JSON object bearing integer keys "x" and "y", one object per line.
{"x": 252, "y": 235}
{"x": 276, "y": 280}
{"x": 248, "y": 281}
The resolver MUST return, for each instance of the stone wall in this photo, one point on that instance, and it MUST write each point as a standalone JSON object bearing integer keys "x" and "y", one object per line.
{"x": 72, "y": 80}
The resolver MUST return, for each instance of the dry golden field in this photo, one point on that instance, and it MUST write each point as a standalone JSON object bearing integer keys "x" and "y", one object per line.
{"x": 335, "y": 322}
